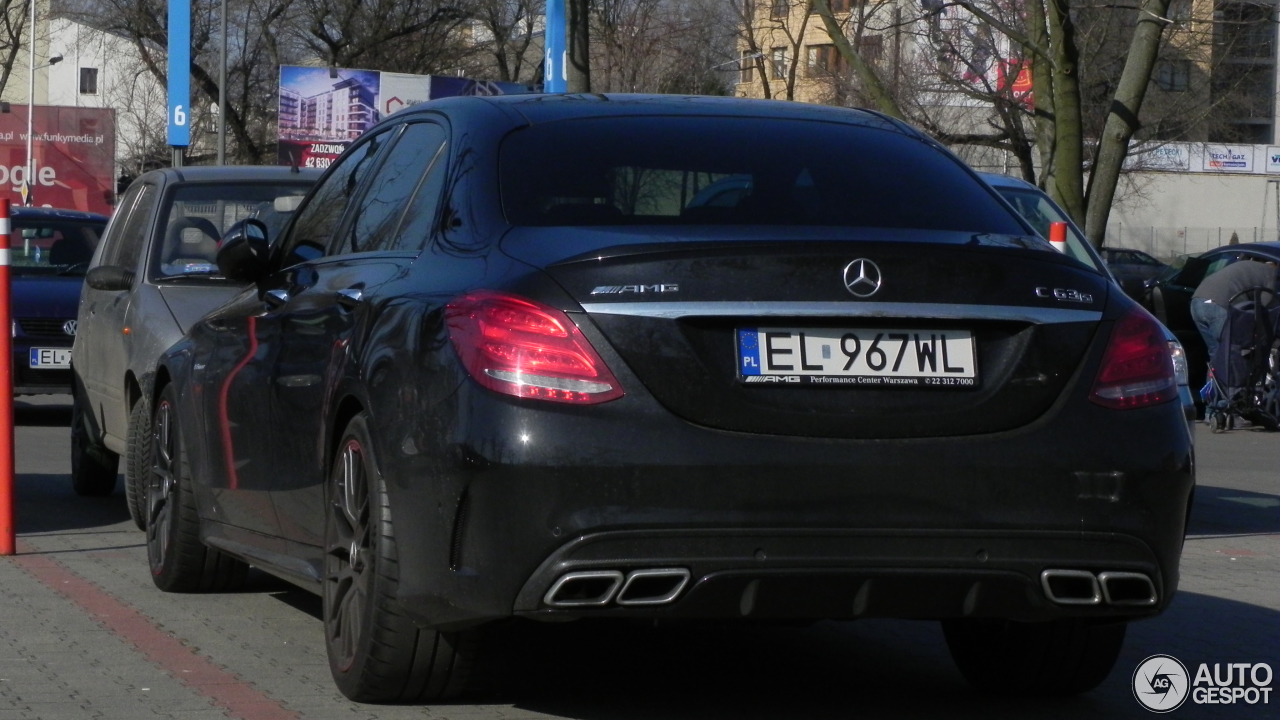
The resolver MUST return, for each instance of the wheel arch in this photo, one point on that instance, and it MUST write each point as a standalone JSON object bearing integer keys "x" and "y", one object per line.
{"x": 132, "y": 389}
{"x": 347, "y": 408}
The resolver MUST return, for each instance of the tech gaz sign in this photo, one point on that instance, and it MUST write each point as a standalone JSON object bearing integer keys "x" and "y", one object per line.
{"x": 1228, "y": 158}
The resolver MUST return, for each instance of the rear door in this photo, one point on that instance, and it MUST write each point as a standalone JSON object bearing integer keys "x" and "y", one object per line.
{"x": 239, "y": 398}
{"x": 332, "y": 303}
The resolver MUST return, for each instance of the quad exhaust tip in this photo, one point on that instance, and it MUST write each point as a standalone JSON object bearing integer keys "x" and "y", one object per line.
{"x": 653, "y": 587}
{"x": 597, "y": 588}
{"x": 586, "y": 588}
{"x": 1081, "y": 587}
{"x": 1126, "y": 588}
{"x": 1071, "y": 587}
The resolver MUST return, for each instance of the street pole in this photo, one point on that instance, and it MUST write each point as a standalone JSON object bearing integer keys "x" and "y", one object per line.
{"x": 222, "y": 92}
{"x": 27, "y": 187}
{"x": 556, "y": 45}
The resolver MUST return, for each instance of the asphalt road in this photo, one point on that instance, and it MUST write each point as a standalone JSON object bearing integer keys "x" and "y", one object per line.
{"x": 84, "y": 633}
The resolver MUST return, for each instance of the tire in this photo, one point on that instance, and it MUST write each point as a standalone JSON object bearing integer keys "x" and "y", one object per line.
{"x": 376, "y": 653}
{"x": 1060, "y": 657}
{"x": 93, "y": 467}
{"x": 179, "y": 561}
{"x": 137, "y": 467}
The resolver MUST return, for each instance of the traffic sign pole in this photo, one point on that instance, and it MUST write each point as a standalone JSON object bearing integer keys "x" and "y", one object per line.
{"x": 556, "y": 45}
{"x": 7, "y": 537}
{"x": 179, "y": 78}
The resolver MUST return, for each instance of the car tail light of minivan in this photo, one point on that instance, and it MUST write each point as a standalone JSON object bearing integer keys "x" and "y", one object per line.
{"x": 520, "y": 347}
{"x": 1137, "y": 368}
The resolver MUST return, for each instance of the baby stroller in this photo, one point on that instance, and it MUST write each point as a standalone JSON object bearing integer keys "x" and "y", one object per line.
{"x": 1244, "y": 373}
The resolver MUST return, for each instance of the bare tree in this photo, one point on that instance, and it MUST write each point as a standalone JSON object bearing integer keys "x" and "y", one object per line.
{"x": 13, "y": 24}
{"x": 506, "y": 29}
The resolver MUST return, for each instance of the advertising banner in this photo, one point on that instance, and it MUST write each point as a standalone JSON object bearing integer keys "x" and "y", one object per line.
{"x": 1228, "y": 158}
{"x": 1169, "y": 156}
{"x": 323, "y": 110}
{"x": 1273, "y": 159}
{"x": 74, "y": 148}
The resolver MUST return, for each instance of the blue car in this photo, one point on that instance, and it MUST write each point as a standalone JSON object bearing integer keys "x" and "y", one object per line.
{"x": 50, "y": 252}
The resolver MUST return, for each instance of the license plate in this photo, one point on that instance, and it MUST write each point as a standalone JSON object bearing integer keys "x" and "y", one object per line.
{"x": 50, "y": 357}
{"x": 883, "y": 358}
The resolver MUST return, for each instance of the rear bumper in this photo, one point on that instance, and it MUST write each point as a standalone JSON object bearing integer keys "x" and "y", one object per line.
{"x": 819, "y": 528}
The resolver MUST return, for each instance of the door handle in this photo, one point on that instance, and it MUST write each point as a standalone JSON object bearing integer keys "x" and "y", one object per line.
{"x": 351, "y": 297}
{"x": 276, "y": 298}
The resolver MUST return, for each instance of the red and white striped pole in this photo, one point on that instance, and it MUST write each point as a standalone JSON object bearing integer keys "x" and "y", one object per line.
{"x": 7, "y": 537}
{"x": 1058, "y": 236}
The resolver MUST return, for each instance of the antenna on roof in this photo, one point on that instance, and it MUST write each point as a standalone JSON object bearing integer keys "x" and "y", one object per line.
{"x": 293, "y": 163}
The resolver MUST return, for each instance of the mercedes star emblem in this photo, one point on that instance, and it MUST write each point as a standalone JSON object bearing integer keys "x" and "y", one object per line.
{"x": 862, "y": 278}
{"x": 69, "y": 327}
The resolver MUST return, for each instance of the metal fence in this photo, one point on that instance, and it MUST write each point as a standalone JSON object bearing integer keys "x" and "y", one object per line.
{"x": 1169, "y": 242}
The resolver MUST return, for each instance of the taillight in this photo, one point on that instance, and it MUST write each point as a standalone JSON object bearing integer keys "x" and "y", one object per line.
{"x": 519, "y": 347}
{"x": 1137, "y": 368}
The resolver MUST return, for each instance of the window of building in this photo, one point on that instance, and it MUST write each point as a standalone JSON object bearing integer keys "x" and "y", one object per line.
{"x": 88, "y": 81}
{"x": 824, "y": 60}
{"x": 747, "y": 66}
{"x": 779, "y": 62}
{"x": 1173, "y": 75}
{"x": 780, "y": 9}
{"x": 871, "y": 47}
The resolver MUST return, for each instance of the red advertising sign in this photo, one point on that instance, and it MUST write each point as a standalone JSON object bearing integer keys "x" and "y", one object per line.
{"x": 74, "y": 149}
{"x": 1015, "y": 76}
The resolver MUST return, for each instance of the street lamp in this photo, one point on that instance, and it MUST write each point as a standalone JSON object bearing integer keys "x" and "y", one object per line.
{"x": 27, "y": 185}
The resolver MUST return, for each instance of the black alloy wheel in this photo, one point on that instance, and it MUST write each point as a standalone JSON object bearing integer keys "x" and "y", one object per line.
{"x": 93, "y": 467}
{"x": 179, "y": 561}
{"x": 348, "y": 578}
{"x": 377, "y": 654}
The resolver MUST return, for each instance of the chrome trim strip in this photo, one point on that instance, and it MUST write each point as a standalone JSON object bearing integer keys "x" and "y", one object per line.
{"x": 939, "y": 311}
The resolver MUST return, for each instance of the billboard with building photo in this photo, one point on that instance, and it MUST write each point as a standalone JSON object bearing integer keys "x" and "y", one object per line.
{"x": 323, "y": 110}
{"x": 74, "y": 149}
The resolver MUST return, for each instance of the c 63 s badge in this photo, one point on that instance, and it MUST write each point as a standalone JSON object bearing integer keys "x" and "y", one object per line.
{"x": 1064, "y": 295}
{"x": 638, "y": 289}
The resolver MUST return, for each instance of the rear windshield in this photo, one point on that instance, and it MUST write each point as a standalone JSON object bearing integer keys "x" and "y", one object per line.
{"x": 198, "y": 215}
{"x": 733, "y": 171}
{"x": 53, "y": 247}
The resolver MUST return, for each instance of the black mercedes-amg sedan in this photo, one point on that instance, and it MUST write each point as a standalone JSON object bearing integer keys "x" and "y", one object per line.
{"x": 672, "y": 358}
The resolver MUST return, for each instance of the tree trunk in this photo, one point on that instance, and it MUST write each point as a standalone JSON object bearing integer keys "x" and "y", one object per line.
{"x": 1122, "y": 120}
{"x": 1068, "y": 147}
{"x": 1042, "y": 92}
{"x": 578, "y": 64}
{"x": 872, "y": 86}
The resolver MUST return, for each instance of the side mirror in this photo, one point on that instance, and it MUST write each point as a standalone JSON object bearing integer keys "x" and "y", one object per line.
{"x": 109, "y": 277}
{"x": 244, "y": 251}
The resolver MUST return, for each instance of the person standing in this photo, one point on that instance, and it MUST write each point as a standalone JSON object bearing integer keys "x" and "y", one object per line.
{"x": 1213, "y": 296}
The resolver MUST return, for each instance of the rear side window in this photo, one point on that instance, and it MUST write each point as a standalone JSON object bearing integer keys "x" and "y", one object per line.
{"x": 378, "y": 215}
{"x": 132, "y": 234}
{"x": 727, "y": 171}
{"x": 318, "y": 219}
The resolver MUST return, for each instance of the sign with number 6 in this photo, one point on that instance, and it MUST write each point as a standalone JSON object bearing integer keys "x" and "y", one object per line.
{"x": 179, "y": 72}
